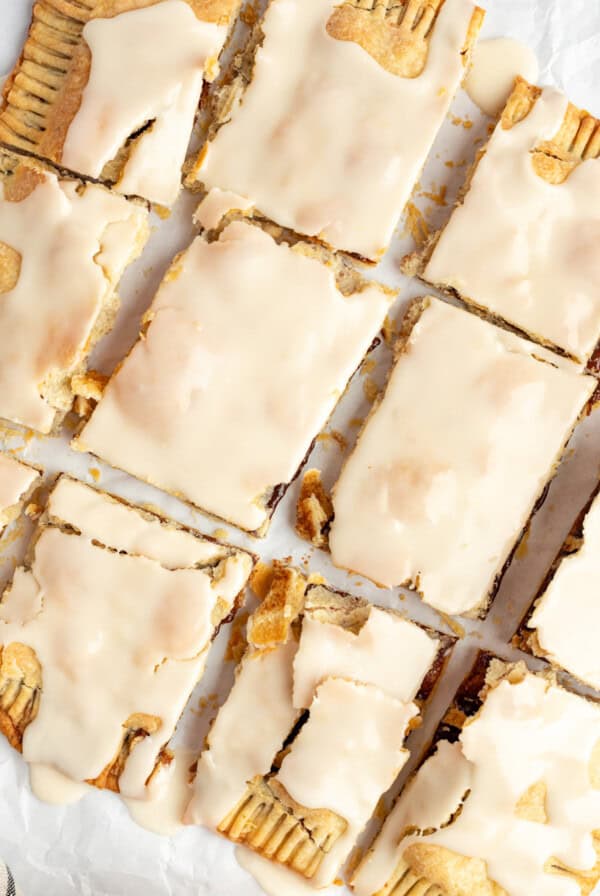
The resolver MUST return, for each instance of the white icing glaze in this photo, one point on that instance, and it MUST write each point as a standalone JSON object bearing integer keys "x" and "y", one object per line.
{"x": 247, "y": 734}
{"x": 525, "y": 733}
{"x": 389, "y": 652}
{"x": 275, "y": 880}
{"x": 74, "y": 244}
{"x": 315, "y": 98}
{"x": 197, "y": 409}
{"x": 567, "y": 617}
{"x": 95, "y": 617}
{"x": 346, "y": 755}
{"x": 162, "y": 812}
{"x": 216, "y": 204}
{"x": 428, "y": 801}
{"x": 147, "y": 65}
{"x": 50, "y": 786}
{"x": 449, "y": 466}
{"x": 119, "y": 526}
{"x": 495, "y": 65}
{"x": 524, "y": 248}
{"x": 15, "y": 481}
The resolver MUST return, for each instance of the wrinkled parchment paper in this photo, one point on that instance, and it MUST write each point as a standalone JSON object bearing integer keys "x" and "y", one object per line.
{"x": 93, "y": 848}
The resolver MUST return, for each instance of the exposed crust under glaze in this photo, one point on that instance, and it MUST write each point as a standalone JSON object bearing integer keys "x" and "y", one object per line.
{"x": 21, "y": 672}
{"x": 432, "y": 870}
{"x": 43, "y": 93}
{"x": 577, "y": 140}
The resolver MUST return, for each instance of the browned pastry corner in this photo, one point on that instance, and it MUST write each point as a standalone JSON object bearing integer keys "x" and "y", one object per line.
{"x": 43, "y": 93}
{"x": 577, "y": 140}
{"x": 314, "y": 509}
{"x": 396, "y": 34}
{"x": 270, "y": 822}
{"x": 271, "y": 623}
{"x": 20, "y": 688}
{"x": 136, "y": 728}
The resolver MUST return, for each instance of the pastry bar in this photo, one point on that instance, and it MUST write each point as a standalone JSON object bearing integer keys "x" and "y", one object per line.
{"x": 63, "y": 249}
{"x": 566, "y": 613}
{"x": 104, "y": 633}
{"x": 522, "y": 243}
{"x": 508, "y": 802}
{"x": 246, "y": 349}
{"x": 312, "y": 732}
{"x": 109, "y": 88}
{"x": 325, "y": 122}
{"x": 451, "y": 462}
{"x": 17, "y": 482}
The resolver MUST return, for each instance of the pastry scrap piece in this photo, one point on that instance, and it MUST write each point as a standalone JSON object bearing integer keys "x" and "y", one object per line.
{"x": 109, "y": 88}
{"x": 63, "y": 249}
{"x": 507, "y": 804}
{"x": 450, "y": 464}
{"x": 17, "y": 482}
{"x": 312, "y": 732}
{"x": 104, "y": 632}
{"x": 245, "y": 351}
{"x": 336, "y": 106}
{"x": 522, "y": 243}
{"x": 566, "y": 613}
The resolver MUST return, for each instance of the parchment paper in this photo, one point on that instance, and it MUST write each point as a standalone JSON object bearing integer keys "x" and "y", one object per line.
{"x": 93, "y": 847}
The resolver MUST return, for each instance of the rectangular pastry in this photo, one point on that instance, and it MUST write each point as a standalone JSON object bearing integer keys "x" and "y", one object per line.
{"x": 521, "y": 245}
{"x": 312, "y": 732}
{"x": 104, "y": 632}
{"x": 63, "y": 249}
{"x": 326, "y": 121}
{"x": 109, "y": 89}
{"x": 17, "y": 482}
{"x": 452, "y": 460}
{"x": 562, "y": 624}
{"x": 508, "y": 802}
{"x": 244, "y": 353}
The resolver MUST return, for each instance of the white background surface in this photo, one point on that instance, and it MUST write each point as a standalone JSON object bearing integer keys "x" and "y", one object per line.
{"x": 93, "y": 847}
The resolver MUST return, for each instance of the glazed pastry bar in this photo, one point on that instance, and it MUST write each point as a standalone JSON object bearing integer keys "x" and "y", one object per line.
{"x": 104, "y": 632}
{"x": 452, "y": 460}
{"x": 508, "y": 801}
{"x": 324, "y": 675}
{"x": 336, "y": 106}
{"x": 63, "y": 249}
{"x": 531, "y": 210}
{"x": 245, "y": 351}
{"x": 109, "y": 89}
{"x": 17, "y": 482}
{"x": 564, "y": 617}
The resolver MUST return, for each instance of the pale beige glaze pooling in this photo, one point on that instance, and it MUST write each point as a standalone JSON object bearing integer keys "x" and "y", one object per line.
{"x": 326, "y": 141}
{"x": 73, "y": 244}
{"x": 249, "y": 347}
{"x": 523, "y": 248}
{"x": 147, "y": 65}
{"x": 496, "y": 62}
{"x": 95, "y": 616}
{"x": 529, "y": 736}
{"x": 573, "y": 593}
{"x": 449, "y": 466}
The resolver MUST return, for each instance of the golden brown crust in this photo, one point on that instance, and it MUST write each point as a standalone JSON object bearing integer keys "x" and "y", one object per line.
{"x": 396, "y": 34}
{"x": 43, "y": 92}
{"x": 271, "y": 623}
{"x": 136, "y": 728}
{"x": 20, "y": 687}
{"x": 271, "y": 823}
{"x": 314, "y": 509}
